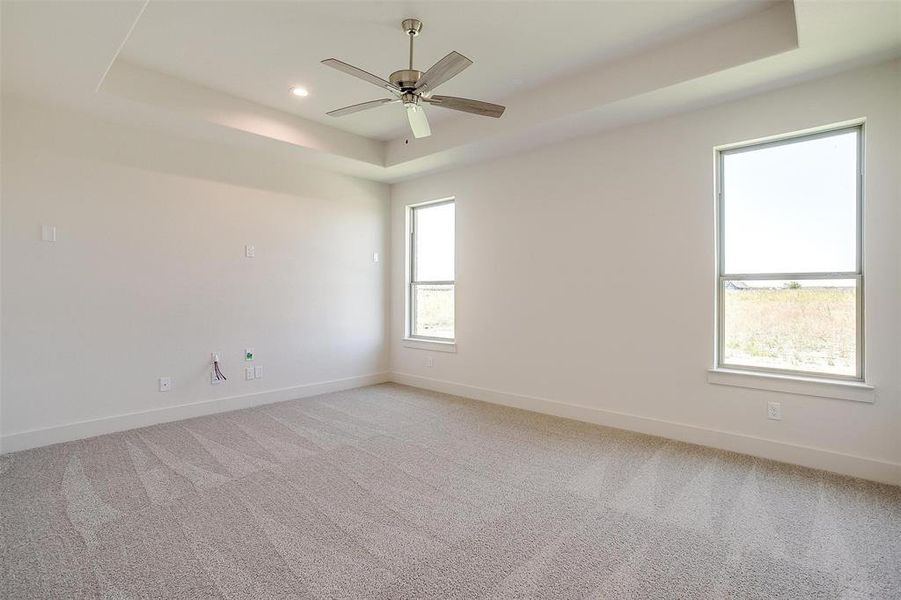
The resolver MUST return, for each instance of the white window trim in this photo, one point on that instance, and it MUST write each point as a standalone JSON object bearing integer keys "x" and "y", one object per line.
{"x": 785, "y": 380}
{"x": 856, "y": 391}
{"x": 420, "y": 344}
{"x": 409, "y": 340}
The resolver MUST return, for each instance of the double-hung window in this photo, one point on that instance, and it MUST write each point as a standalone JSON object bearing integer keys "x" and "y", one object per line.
{"x": 790, "y": 294}
{"x": 430, "y": 284}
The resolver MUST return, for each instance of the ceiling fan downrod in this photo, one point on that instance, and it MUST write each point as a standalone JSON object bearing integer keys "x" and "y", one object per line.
{"x": 406, "y": 79}
{"x": 412, "y": 27}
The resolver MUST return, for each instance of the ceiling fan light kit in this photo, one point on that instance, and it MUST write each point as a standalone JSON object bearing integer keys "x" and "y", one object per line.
{"x": 411, "y": 87}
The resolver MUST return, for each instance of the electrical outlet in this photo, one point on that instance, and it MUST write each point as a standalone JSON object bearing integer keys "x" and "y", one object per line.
{"x": 248, "y": 373}
{"x": 165, "y": 384}
{"x": 248, "y": 354}
{"x": 429, "y": 361}
{"x": 774, "y": 411}
{"x": 257, "y": 372}
{"x": 250, "y": 251}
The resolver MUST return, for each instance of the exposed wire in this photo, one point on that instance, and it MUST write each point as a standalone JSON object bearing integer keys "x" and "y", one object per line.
{"x": 218, "y": 372}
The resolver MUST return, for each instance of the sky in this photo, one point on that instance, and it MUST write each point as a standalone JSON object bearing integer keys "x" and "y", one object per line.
{"x": 792, "y": 207}
{"x": 435, "y": 243}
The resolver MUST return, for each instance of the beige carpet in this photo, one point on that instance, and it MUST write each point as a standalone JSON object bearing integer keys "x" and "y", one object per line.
{"x": 392, "y": 492}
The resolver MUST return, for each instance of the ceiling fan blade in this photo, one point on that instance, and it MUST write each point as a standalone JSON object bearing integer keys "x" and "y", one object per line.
{"x": 441, "y": 71}
{"x": 349, "y": 110}
{"x": 360, "y": 73}
{"x": 476, "y": 107}
{"x": 418, "y": 121}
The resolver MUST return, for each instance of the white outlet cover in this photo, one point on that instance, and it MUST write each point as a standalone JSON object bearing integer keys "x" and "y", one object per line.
{"x": 250, "y": 251}
{"x": 258, "y": 372}
{"x": 774, "y": 411}
{"x": 375, "y": 257}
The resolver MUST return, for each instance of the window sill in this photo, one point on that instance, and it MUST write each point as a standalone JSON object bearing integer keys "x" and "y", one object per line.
{"x": 429, "y": 345}
{"x": 790, "y": 384}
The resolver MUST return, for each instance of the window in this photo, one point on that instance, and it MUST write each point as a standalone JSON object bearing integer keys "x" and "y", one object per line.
{"x": 789, "y": 256}
{"x": 431, "y": 271}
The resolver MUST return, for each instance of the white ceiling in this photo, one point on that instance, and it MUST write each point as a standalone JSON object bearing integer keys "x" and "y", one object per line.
{"x": 221, "y": 70}
{"x": 259, "y": 50}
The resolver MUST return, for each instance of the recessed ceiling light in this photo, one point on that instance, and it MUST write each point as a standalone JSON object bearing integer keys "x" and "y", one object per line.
{"x": 299, "y": 91}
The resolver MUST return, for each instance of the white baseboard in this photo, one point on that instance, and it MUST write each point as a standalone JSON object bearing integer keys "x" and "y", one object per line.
{"x": 83, "y": 429}
{"x": 817, "y": 458}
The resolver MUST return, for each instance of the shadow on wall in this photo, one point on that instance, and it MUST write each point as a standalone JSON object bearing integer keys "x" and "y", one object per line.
{"x": 77, "y": 135}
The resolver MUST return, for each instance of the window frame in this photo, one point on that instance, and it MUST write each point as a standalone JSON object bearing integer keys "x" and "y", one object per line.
{"x": 411, "y": 281}
{"x": 858, "y": 275}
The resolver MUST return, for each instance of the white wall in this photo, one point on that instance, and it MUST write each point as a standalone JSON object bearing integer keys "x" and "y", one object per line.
{"x": 585, "y": 281}
{"x": 149, "y": 276}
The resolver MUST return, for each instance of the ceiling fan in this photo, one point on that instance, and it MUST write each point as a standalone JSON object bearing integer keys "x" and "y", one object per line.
{"x": 412, "y": 87}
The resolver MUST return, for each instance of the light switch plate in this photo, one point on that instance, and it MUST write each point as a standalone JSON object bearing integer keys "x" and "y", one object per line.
{"x": 248, "y": 373}
{"x": 258, "y": 372}
{"x": 250, "y": 251}
{"x": 48, "y": 233}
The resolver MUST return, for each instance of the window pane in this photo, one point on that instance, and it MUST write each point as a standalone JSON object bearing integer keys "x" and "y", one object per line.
{"x": 792, "y": 208}
{"x": 433, "y": 310}
{"x": 808, "y": 325}
{"x": 434, "y": 251}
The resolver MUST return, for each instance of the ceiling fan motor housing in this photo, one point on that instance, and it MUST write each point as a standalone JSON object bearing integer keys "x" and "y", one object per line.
{"x": 405, "y": 79}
